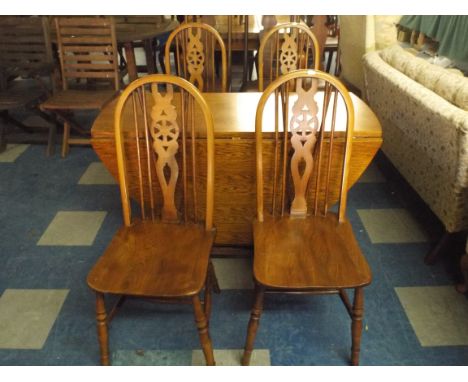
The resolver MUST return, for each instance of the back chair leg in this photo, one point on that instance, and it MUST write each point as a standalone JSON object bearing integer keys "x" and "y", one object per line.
{"x": 356, "y": 325}
{"x": 51, "y": 140}
{"x": 202, "y": 326}
{"x": 66, "y": 136}
{"x": 207, "y": 298}
{"x": 102, "y": 332}
{"x": 253, "y": 324}
{"x": 214, "y": 279}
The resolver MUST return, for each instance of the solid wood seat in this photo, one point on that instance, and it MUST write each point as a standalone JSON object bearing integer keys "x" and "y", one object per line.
{"x": 167, "y": 260}
{"x": 20, "y": 95}
{"x": 313, "y": 253}
{"x": 79, "y": 99}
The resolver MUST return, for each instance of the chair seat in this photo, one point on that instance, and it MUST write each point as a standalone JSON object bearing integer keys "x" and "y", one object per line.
{"x": 312, "y": 253}
{"x": 154, "y": 259}
{"x": 21, "y": 93}
{"x": 79, "y": 99}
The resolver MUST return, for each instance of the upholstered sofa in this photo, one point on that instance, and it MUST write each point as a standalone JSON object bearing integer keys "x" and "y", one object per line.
{"x": 423, "y": 110}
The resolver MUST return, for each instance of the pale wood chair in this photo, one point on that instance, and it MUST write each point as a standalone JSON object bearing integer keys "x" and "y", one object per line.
{"x": 165, "y": 253}
{"x": 300, "y": 246}
{"x": 195, "y": 46}
{"x": 286, "y": 47}
{"x": 87, "y": 48}
{"x": 26, "y": 72}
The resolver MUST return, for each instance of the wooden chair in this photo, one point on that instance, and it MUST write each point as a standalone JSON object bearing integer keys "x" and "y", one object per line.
{"x": 299, "y": 245}
{"x": 89, "y": 65}
{"x": 150, "y": 47}
{"x": 25, "y": 62}
{"x": 195, "y": 47}
{"x": 165, "y": 253}
{"x": 286, "y": 47}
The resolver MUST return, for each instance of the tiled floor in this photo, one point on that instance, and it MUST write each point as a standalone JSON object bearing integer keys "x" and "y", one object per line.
{"x": 60, "y": 214}
{"x": 73, "y": 228}
{"x": 12, "y": 152}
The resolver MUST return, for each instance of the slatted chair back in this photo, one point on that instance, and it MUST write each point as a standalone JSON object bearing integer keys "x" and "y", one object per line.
{"x": 312, "y": 132}
{"x": 196, "y": 46}
{"x": 25, "y": 47}
{"x": 286, "y": 47}
{"x": 165, "y": 124}
{"x": 87, "y": 49}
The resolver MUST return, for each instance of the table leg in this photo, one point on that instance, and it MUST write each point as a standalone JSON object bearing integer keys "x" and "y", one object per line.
{"x": 131, "y": 63}
{"x": 150, "y": 57}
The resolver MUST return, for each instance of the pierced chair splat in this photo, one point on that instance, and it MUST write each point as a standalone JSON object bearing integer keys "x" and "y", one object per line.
{"x": 196, "y": 47}
{"x": 164, "y": 254}
{"x": 300, "y": 244}
{"x": 286, "y": 47}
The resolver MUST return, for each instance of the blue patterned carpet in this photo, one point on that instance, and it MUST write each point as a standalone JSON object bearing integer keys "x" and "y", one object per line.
{"x": 413, "y": 316}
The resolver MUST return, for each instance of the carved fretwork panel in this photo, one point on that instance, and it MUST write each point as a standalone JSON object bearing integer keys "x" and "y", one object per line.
{"x": 165, "y": 132}
{"x": 289, "y": 53}
{"x": 195, "y": 57}
{"x": 303, "y": 126}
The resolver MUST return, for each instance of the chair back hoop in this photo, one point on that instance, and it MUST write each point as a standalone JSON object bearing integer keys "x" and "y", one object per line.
{"x": 87, "y": 49}
{"x": 195, "y": 53}
{"x": 25, "y": 47}
{"x": 286, "y": 47}
{"x": 315, "y": 140}
{"x": 151, "y": 125}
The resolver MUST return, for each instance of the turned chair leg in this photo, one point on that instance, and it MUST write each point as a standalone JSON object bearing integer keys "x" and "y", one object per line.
{"x": 51, "y": 140}
{"x": 66, "y": 136}
{"x": 202, "y": 326}
{"x": 356, "y": 325}
{"x": 253, "y": 324}
{"x": 102, "y": 332}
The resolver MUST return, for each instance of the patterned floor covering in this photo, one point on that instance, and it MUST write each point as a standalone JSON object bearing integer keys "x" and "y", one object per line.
{"x": 57, "y": 216}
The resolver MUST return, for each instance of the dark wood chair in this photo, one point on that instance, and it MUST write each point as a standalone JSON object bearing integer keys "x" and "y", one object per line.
{"x": 165, "y": 253}
{"x": 194, "y": 45}
{"x": 90, "y": 75}
{"x": 286, "y": 47}
{"x": 151, "y": 46}
{"x": 26, "y": 73}
{"x": 300, "y": 246}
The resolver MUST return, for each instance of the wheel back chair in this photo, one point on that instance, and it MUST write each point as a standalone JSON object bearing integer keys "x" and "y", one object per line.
{"x": 196, "y": 46}
{"x": 286, "y": 47}
{"x": 300, "y": 245}
{"x": 25, "y": 62}
{"x": 90, "y": 75}
{"x": 163, "y": 132}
